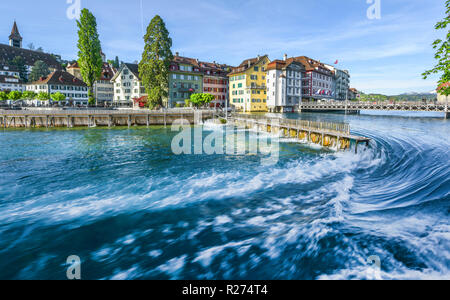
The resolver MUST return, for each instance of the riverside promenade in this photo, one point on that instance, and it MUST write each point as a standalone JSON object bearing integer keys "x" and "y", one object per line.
{"x": 69, "y": 118}
{"x": 335, "y": 136}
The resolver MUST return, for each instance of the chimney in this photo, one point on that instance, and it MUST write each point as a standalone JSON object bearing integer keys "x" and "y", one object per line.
{"x": 249, "y": 64}
{"x": 285, "y": 57}
{"x": 177, "y": 53}
{"x": 259, "y": 57}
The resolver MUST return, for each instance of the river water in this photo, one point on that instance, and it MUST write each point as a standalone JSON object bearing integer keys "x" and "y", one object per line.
{"x": 131, "y": 209}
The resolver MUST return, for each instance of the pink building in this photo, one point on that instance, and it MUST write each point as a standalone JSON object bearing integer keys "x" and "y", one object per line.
{"x": 215, "y": 82}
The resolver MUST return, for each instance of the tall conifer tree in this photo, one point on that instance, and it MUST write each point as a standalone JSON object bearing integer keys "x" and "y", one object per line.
{"x": 155, "y": 63}
{"x": 89, "y": 49}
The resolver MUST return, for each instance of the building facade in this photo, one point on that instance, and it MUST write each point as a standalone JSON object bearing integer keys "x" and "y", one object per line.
{"x": 185, "y": 79}
{"x": 353, "y": 94}
{"x": 248, "y": 90}
{"x": 75, "y": 90}
{"x": 341, "y": 83}
{"x": 442, "y": 98}
{"x": 103, "y": 87}
{"x": 284, "y": 85}
{"x": 10, "y": 79}
{"x": 127, "y": 85}
{"x": 215, "y": 82}
{"x": 317, "y": 81}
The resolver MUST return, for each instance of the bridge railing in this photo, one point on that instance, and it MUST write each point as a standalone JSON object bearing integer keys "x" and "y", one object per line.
{"x": 370, "y": 103}
{"x": 299, "y": 124}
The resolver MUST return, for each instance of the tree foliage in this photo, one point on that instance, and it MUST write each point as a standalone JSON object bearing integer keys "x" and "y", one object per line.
{"x": 15, "y": 95}
{"x": 89, "y": 49}
{"x": 155, "y": 63}
{"x": 3, "y": 96}
{"x": 43, "y": 96}
{"x": 199, "y": 100}
{"x": 442, "y": 55}
{"x": 40, "y": 69}
{"x": 19, "y": 63}
{"x": 28, "y": 95}
{"x": 58, "y": 97}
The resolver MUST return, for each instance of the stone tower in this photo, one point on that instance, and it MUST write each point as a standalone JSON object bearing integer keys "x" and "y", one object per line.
{"x": 15, "y": 40}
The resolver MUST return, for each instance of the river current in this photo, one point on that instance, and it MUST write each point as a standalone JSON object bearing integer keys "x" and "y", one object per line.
{"x": 131, "y": 209}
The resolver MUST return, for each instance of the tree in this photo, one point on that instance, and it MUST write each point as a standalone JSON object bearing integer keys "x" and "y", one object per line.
{"x": 19, "y": 63}
{"x": 15, "y": 95}
{"x": 40, "y": 49}
{"x": 199, "y": 100}
{"x": 40, "y": 69}
{"x": 28, "y": 95}
{"x": 57, "y": 97}
{"x": 155, "y": 63}
{"x": 89, "y": 49}
{"x": 442, "y": 55}
{"x": 43, "y": 96}
{"x": 31, "y": 46}
{"x": 3, "y": 96}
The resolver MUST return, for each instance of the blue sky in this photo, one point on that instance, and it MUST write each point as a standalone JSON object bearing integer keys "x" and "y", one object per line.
{"x": 384, "y": 55}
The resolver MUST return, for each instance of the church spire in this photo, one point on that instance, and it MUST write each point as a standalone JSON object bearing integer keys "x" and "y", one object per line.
{"x": 15, "y": 40}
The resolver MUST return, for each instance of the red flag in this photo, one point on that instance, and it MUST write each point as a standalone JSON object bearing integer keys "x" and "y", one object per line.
{"x": 337, "y": 61}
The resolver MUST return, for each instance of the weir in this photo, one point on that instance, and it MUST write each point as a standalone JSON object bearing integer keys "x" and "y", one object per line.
{"x": 335, "y": 136}
{"x": 92, "y": 118}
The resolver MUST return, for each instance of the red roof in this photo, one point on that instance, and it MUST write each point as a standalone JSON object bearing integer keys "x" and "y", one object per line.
{"x": 443, "y": 85}
{"x": 60, "y": 77}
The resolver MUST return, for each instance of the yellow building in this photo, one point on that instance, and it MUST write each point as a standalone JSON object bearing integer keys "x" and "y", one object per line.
{"x": 248, "y": 91}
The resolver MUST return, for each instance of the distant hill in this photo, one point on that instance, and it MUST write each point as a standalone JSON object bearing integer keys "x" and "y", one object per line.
{"x": 402, "y": 97}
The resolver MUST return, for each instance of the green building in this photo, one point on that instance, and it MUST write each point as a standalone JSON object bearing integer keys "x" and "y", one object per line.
{"x": 185, "y": 79}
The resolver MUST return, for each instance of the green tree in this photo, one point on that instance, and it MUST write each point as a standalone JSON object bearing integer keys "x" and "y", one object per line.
{"x": 28, "y": 95}
{"x": 199, "y": 100}
{"x": 40, "y": 69}
{"x": 89, "y": 49}
{"x": 57, "y": 97}
{"x": 15, "y": 95}
{"x": 442, "y": 55}
{"x": 155, "y": 63}
{"x": 3, "y": 96}
{"x": 43, "y": 96}
{"x": 19, "y": 63}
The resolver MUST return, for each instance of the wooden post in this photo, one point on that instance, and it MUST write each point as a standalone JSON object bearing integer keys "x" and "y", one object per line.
{"x": 165, "y": 119}
{"x": 68, "y": 121}
{"x": 46, "y": 122}
{"x": 148, "y": 120}
{"x": 26, "y": 122}
{"x": 356, "y": 147}
{"x": 129, "y": 121}
{"x": 109, "y": 121}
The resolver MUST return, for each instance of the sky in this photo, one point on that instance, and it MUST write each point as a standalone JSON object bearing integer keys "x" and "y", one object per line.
{"x": 384, "y": 55}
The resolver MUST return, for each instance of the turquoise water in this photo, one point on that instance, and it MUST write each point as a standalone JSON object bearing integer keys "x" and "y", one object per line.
{"x": 130, "y": 209}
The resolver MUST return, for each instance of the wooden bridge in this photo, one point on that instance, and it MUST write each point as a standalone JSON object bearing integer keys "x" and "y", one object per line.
{"x": 335, "y": 136}
{"x": 352, "y": 106}
{"x": 95, "y": 117}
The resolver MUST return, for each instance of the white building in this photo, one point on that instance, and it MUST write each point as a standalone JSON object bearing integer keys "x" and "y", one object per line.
{"x": 284, "y": 85}
{"x": 10, "y": 79}
{"x": 341, "y": 83}
{"x": 103, "y": 87}
{"x": 75, "y": 90}
{"x": 127, "y": 85}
